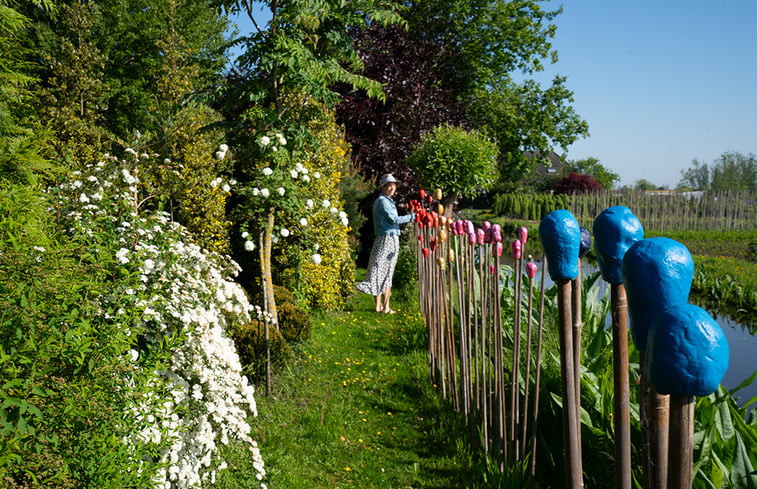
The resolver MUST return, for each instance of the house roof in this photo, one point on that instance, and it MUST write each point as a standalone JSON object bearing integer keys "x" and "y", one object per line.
{"x": 555, "y": 162}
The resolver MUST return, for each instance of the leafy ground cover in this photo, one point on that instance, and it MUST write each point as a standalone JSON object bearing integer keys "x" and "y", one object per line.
{"x": 355, "y": 409}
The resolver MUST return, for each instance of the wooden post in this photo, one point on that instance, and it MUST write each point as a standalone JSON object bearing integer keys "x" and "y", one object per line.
{"x": 573, "y": 468}
{"x": 622, "y": 421}
{"x": 577, "y": 329}
{"x": 681, "y": 452}
{"x": 540, "y": 325}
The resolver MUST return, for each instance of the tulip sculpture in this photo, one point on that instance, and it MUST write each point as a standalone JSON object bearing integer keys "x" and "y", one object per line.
{"x": 615, "y": 230}
{"x": 560, "y": 235}
{"x": 658, "y": 273}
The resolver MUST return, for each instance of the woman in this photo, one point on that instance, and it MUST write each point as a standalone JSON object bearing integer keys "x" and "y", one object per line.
{"x": 386, "y": 247}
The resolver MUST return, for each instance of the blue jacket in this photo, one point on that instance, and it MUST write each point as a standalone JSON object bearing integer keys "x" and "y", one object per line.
{"x": 385, "y": 218}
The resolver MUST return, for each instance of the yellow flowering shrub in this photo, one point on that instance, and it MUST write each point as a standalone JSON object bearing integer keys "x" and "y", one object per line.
{"x": 327, "y": 284}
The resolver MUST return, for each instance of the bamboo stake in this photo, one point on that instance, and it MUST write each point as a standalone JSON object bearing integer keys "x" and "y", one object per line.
{"x": 681, "y": 442}
{"x": 622, "y": 419}
{"x": 577, "y": 329}
{"x": 515, "y": 393}
{"x": 535, "y": 418}
{"x": 573, "y": 471}
{"x": 655, "y": 422}
{"x": 529, "y": 316}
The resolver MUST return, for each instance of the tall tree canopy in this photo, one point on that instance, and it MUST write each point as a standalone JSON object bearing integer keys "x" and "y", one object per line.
{"x": 730, "y": 171}
{"x": 455, "y": 64}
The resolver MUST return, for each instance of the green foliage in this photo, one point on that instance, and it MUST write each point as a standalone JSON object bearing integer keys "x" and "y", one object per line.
{"x": 447, "y": 153}
{"x": 526, "y": 118}
{"x": 528, "y": 206}
{"x": 728, "y": 282}
{"x": 294, "y": 322}
{"x": 592, "y": 167}
{"x": 250, "y": 340}
{"x": 730, "y": 171}
{"x": 63, "y": 364}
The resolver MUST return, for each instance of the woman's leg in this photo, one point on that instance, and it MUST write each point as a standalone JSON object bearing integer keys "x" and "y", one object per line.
{"x": 379, "y": 305}
{"x": 387, "y": 295}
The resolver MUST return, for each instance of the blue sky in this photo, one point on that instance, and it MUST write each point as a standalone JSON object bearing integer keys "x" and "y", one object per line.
{"x": 660, "y": 83}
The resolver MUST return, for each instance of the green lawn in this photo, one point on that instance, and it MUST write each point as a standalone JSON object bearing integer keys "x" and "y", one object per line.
{"x": 355, "y": 409}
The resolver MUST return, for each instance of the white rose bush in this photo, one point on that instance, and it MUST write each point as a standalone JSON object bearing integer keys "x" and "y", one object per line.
{"x": 178, "y": 303}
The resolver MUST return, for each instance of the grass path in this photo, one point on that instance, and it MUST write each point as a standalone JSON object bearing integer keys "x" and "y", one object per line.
{"x": 354, "y": 409}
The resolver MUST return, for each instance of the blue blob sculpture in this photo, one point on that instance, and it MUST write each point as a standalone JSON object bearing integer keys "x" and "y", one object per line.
{"x": 560, "y": 236}
{"x": 585, "y": 243}
{"x": 657, "y": 274}
{"x": 687, "y": 352}
{"x": 615, "y": 230}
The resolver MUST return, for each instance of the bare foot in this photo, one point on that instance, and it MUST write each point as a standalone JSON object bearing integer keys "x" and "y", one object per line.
{"x": 390, "y": 311}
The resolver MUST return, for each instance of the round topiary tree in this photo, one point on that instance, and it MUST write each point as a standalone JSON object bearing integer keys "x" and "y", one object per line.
{"x": 460, "y": 162}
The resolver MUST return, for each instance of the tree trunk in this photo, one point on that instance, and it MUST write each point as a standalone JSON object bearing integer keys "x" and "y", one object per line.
{"x": 265, "y": 266}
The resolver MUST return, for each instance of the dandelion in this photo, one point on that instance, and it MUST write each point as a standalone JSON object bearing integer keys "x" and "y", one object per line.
{"x": 249, "y": 245}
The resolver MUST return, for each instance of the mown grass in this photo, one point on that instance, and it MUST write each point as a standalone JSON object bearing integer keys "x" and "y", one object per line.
{"x": 355, "y": 409}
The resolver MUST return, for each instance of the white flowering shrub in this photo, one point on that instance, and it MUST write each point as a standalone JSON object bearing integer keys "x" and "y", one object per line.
{"x": 177, "y": 301}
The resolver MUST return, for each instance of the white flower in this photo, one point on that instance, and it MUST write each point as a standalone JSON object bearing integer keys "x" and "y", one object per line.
{"x": 83, "y": 198}
{"x": 281, "y": 191}
{"x": 267, "y": 171}
{"x": 345, "y": 221}
{"x": 220, "y": 155}
{"x": 130, "y": 151}
{"x": 265, "y": 192}
{"x": 245, "y": 234}
{"x": 342, "y": 215}
{"x": 325, "y": 204}
{"x": 315, "y": 259}
{"x": 255, "y": 191}
{"x": 134, "y": 355}
{"x": 223, "y": 147}
{"x": 294, "y": 174}
{"x": 122, "y": 255}
{"x": 284, "y": 232}
{"x": 167, "y": 161}
{"x": 265, "y": 141}
{"x": 148, "y": 266}
{"x": 145, "y": 156}
{"x": 305, "y": 178}
{"x": 282, "y": 139}
{"x": 249, "y": 245}
{"x": 309, "y": 203}
{"x": 334, "y": 211}
{"x": 226, "y": 187}
{"x": 303, "y": 222}
{"x": 317, "y": 175}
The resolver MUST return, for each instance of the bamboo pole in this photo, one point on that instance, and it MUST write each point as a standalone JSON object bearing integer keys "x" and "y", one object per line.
{"x": 681, "y": 454}
{"x": 573, "y": 469}
{"x": 540, "y": 325}
{"x": 622, "y": 421}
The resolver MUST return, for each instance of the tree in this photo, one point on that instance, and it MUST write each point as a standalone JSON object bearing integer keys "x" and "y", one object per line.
{"x": 644, "y": 184}
{"x": 734, "y": 171}
{"x": 526, "y": 119}
{"x": 695, "y": 178}
{"x": 730, "y": 171}
{"x": 593, "y": 168}
{"x": 577, "y": 184}
{"x": 460, "y": 162}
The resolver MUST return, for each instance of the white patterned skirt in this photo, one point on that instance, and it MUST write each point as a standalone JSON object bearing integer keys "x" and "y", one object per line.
{"x": 381, "y": 264}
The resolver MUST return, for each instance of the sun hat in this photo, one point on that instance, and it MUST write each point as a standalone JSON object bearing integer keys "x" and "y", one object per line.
{"x": 387, "y": 178}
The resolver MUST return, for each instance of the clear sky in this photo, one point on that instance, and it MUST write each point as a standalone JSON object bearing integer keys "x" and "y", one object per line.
{"x": 660, "y": 83}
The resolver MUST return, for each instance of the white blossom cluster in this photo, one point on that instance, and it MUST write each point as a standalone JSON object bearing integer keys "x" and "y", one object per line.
{"x": 181, "y": 290}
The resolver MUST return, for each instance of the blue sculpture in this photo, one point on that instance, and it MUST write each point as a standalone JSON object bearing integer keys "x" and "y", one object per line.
{"x": 657, "y": 274}
{"x": 687, "y": 352}
{"x": 615, "y": 230}
{"x": 560, "y": 236}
